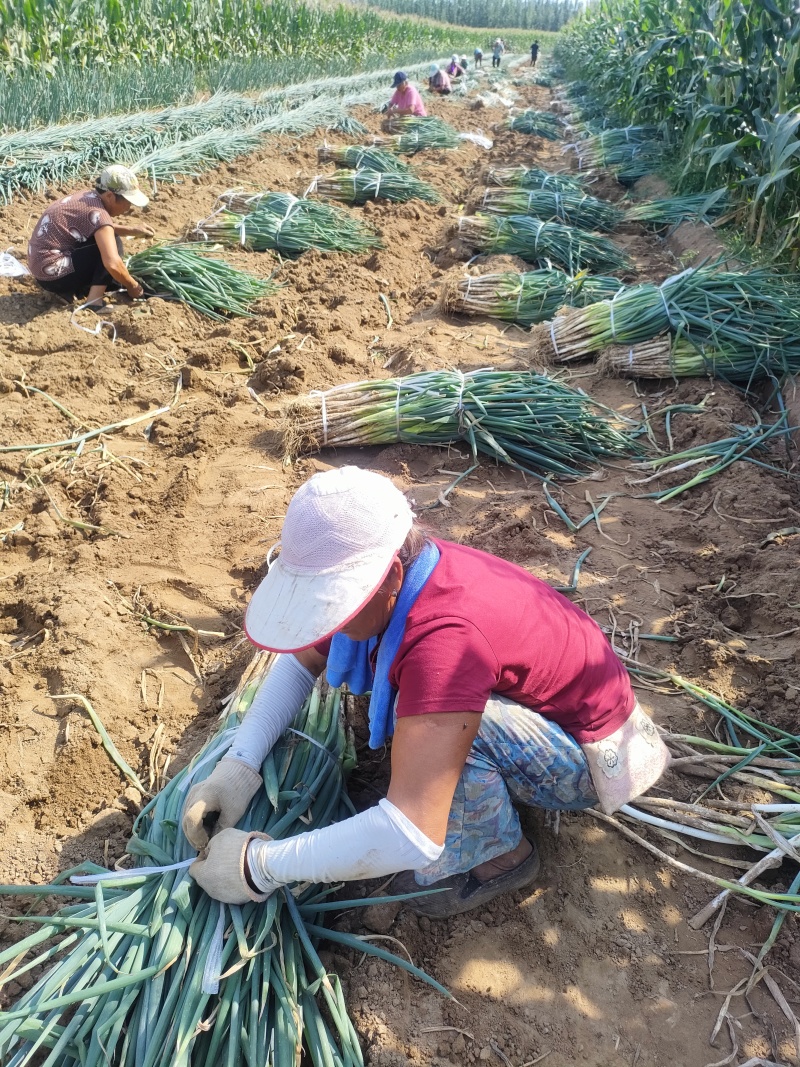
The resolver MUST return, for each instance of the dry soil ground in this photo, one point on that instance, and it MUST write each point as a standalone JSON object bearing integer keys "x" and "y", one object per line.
{"x": 596, "y": 964}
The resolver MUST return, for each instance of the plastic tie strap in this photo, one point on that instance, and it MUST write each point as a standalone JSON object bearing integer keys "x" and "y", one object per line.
{"x": 213, "y": 967}
{"x": 666, "y": 308}
{"x": 214, "y": 754}
{"x": 397, "y": 407}
{"x": 97, "y": 329}
{"x": 324, "y": 413}
{"x": 132, "y": 872}
{"x": 553, "y": 338}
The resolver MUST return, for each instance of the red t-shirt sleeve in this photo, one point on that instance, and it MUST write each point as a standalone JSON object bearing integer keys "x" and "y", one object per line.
{"x": 444, "y": 665}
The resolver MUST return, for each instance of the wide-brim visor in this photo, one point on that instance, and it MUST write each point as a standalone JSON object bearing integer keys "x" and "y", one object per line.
{"x": 136, "y": 197}
{"x": 290, "y": 612}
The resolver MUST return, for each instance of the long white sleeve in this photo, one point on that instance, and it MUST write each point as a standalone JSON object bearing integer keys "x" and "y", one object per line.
{"x": 276, "y": 703}
{"x": 378, "y": 841}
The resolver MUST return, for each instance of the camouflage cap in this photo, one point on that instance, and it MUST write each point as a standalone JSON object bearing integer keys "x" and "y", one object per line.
{"x": 123, "y": 182}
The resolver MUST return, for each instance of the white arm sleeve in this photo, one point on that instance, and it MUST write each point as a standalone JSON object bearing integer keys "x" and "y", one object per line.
{"x": 378, "y": 841}
{"x": 276, "y": 703}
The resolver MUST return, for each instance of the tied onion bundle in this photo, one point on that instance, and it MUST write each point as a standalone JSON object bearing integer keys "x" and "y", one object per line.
{"x": 525, "y": 298}
{"x": 630, "y": 151}
{"x": 210, "y": 286}
{"x": 302, "y": 225}
{"x": 532, "y": 178}
{"x": 358, "y": 186}
{"x": 669, "y": 212}
{"x": 367, "y": 157}
{"x": 542, "y": 242}
{"x": 668, "y": 356}
{"x": 530, "y": 421}
{"x": 540, "y": 123}
{"x": 751, "y": 317}
{"x": 153, "y": 971}
{"x": 574, "y": 208}
{"x": 428, "y": 130}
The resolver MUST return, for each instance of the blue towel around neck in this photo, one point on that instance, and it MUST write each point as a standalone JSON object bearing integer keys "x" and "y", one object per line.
{"x": 349, "y": 661}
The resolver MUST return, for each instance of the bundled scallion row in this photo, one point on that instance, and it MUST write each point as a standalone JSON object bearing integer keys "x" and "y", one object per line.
{"x": 210, "y": 286}
{"x": 530, "y": 421}
{"x": 358, "y": 186}
{"x": 286, "y": 224}
{"x": 669, "y": 212}
{"x": 430, "y": 131}
{"x": 540, "y": 123}
{"x": 533, "y": 178}
{"x": 542, "y": 243}
{"x": 630, "y": 152}
{"x": 534, "y": 296}
{"x": 574, "y": 208}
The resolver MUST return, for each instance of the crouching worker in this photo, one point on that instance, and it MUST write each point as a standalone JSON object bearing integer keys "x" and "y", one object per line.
{"x": 439, "y": 82}
{"x": 405, "y": 99}
{"x": 76, "y": 246}
{"x": 495, "y": 688}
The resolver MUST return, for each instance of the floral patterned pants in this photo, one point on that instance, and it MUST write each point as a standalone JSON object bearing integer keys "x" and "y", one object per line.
{"x": 518, "y": 756}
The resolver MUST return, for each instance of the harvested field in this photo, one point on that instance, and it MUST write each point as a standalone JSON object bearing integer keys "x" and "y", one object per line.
{"x": 177, "y": 510}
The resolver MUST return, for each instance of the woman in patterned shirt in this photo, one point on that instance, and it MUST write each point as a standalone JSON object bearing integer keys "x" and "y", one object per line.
{"x": 76, "y": 246}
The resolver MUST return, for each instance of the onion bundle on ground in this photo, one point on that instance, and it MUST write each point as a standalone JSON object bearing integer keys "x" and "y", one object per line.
{"x": 668, "y": 356}
{"x": 291, "y": 230}
{"x": 672, "y": 210}
{"x": 534, "y": 296}
{"x": 153, "y": 971}
{"x": 366, "y": 157}
{"x": 358, "y": 186}
{"x": 631, "y": 151}
{"x": 429, "y": 131}
{"x": 530, "y": 421}
{"x": 210, "y": 286}
{"x": 754, "y": 314}
{"x": 574, "y": 208}
{"x": 542, "y": 242}
{"x": 532, "y": 178}
{"x": 540, "y": 123}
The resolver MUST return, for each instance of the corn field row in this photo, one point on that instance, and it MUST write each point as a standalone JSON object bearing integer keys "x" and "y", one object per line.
{"x": 497, "y": 14}
{"x": 720, "y": 82}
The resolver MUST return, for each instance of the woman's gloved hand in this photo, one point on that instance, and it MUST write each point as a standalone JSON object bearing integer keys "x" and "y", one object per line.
{"x": 225, "y": 793}
{"x": 220, "y": 868}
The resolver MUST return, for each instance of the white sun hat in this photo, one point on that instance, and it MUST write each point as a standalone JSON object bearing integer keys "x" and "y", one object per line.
{"x": 342, "y": 531}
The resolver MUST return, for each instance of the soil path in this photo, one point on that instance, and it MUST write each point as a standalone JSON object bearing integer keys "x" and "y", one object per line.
{"x": 596, "y": 965}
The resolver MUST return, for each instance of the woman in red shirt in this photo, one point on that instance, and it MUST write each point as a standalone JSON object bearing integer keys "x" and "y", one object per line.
{"x": 494, "y": 687}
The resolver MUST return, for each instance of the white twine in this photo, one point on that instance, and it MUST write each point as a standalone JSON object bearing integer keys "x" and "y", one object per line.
{"x": 611, "y": 319}
{"x": 242, "y": 231}
{"x": 132, "y": 872}
{"x": 630, "y": 357}
{"x": 213, "y": 967}
{"x": 215, "y": 753}
{"x": 397, "y": 407}
{"x": 321, "y": 395}
{"x": 557, "y": 203}
{"x": 378, "y": 184}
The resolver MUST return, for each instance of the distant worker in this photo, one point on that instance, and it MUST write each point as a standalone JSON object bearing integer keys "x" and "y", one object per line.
{"x": 478, "y": 54}
{"x": 534, "y": 53}
{"x": 454, "y": 68}
{"x": 76, "y": 246}
{"x": 463, "y": 62}
{"x": 439, "y": 82}
{"x": 405, "y": 99}
{"x": 497, "y": 52}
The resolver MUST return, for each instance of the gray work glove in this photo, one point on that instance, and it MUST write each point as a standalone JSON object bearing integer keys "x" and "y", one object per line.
{"x": 225, "y": 793}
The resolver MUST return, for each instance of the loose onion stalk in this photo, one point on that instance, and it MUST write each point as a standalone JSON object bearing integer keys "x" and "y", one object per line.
{"x": 358, "y": 186}
{"x": 302, "y": 225}
{"x": 532, "y": 178}
{"x": 210, "y": 286}
{"x": 529, "y": 421}
{"x": 575, "y": 209}
{"x": 540, "y": 123}
{"x": 154, "y": 972}
{"x": 534, "y": 296}
{"x": 368, "y": 157}
{"x": 542, "y": 242}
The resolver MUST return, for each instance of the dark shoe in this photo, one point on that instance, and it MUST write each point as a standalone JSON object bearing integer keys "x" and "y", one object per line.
{"x": 463, "y": 892}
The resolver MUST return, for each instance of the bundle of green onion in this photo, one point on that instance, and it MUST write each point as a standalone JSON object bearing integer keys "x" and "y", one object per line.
{"x": 752, "y": 317}
{"x": 540, "y": 123}
{"x": 529, "y": 421}
{"x": 542, "y": 242}
{"x": 210, "y": 286}
{"x": 669, "y": 356}
{"x": 428, "y": 130}
{"x": 358, "y": 186}
{"x": 631, "y": 151}
{"x": 154, "y": 972}
{"x": 526, "y": 298}
{"x": 368, "y": 157}
{"x": 304, "y": 224}
{"x": 700, "y": 207}
{"x": 532, "y": 178}
{"x": 574, "y": 208}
